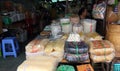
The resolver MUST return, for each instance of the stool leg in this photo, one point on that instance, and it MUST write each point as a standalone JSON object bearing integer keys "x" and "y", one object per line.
{"x": 103, "y": 68}
{"x": 3, "y": 49}
{"x": 13, "y": 48}
{"x": 17, "y": 46}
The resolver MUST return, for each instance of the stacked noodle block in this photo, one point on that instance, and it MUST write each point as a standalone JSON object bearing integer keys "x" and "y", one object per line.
{"x": 101, "y": 51}
{"x": 42, "y": 55}
{"x": 41, "y": 63}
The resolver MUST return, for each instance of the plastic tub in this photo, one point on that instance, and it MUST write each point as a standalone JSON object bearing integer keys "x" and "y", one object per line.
{"x": 116, "y": 67}
{"x": 66, "y": 26}
{"x": 89, "y": 25}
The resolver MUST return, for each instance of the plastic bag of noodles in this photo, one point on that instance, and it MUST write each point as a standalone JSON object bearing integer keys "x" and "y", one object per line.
{"x": 65, "y": 68}
{"x": 76, "y": 57}
{"x": 76, "y": 47}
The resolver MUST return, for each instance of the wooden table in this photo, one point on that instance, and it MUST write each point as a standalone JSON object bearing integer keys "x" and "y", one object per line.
{"x": 85, "y": 62}
{"x": 75, "y": 64}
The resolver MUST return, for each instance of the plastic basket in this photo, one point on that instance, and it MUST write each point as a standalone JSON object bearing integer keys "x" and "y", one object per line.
{"x": 116, "y": 67}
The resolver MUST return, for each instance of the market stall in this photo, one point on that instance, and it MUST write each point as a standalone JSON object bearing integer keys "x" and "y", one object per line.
{"x": 79, "y": 47}
{"x": 73, "y": 45}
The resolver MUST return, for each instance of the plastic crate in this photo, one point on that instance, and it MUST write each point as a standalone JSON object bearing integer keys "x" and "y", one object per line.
{"x": 116, "y": 67}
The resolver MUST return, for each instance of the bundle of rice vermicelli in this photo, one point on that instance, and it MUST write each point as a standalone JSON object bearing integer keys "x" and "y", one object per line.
{"x": 101, "y": 51}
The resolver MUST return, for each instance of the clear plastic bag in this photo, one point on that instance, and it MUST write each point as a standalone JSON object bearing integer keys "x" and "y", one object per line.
{"x": 76, "y": 47}
{"x": 76, "y": 57}
{"x": 99, "y": 11}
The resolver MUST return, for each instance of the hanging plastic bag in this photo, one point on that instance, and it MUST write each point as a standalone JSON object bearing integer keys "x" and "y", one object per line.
{"x": 112, "y": 2}
{"x": 99, "y": 11}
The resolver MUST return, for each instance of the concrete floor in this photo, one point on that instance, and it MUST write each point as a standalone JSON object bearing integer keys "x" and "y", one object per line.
{"x": 11, "y": 63}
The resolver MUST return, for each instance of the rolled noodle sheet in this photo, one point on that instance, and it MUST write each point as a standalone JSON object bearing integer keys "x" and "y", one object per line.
{"x": 101, "y": 47}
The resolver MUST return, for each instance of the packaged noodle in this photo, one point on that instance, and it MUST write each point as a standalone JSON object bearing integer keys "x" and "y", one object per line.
{"x": 101, "y": 47}
{"x": 59, "y": 45}
{"x": 76, "y": 57}
{"x": 92, "y": 36}
{"x": 50, "y": 47}
{"x": 55, "y": 49}
{"x": 65, "y": 36}
{"x": 76, "y": 47}
{"x": 102, "y": 58}
{"x": 38, "y": 65}
{"x": 36, "y": 45}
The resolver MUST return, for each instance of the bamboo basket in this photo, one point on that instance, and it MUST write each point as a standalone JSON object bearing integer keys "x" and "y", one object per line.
{"x": 113, "y": 35}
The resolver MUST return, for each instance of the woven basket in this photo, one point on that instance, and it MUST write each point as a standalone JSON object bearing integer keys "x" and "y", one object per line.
{"x": 113, "y": 28}
{"x": 113, "y": 35}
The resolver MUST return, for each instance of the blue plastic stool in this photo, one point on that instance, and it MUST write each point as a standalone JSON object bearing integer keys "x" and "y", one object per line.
{"x": 11, "y": 41}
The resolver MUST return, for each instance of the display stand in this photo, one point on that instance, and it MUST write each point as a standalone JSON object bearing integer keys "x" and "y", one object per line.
{"x": 75, "y": 64}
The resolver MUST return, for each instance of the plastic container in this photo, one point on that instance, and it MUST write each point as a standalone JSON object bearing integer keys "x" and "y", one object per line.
{"x": 6, "y": 20}
{"x": 55, "y": 29}
{"x": 66, "y": 25}
{"x": 89, "y": 25}
{"x": 77, "y": 28}
{"x": 116, "y": 67}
